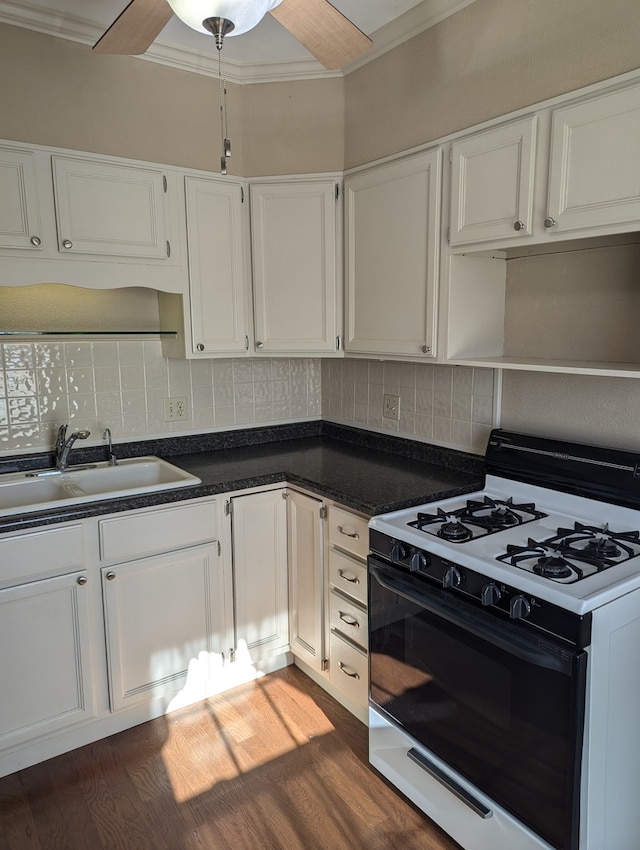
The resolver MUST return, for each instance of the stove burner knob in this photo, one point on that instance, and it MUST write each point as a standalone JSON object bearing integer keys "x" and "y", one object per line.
{"x": 418, "y": 562}
{"x": 519, "y": 608}
{"x": 491, "y": 594}
{"x": 452, "y": 578}
{"x": 398, "y": 552}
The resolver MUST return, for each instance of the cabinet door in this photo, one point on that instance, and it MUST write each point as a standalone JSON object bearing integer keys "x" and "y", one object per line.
{"x": 306, "y": 579}
{"x": 20, "y": 225}
{"x": 594, "y": 179}
{"x": 492, "y": 184}
{"x": 259, "y": 522}
{"x": 295, "y": 285}
{"x": 217, "y": 273}
{"x": 45, "y": 663}
{"x": 392, "y": 249}
{"x": 106, "y": 208}
{"x": 165, "y": 627}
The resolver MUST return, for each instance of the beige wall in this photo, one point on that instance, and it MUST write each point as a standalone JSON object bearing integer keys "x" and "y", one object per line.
{"x": 56, "y": 92}
{"x": 491, "y": 58}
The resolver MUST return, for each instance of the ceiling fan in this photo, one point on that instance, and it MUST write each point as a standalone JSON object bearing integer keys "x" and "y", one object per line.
{"x": 325, "y": 32}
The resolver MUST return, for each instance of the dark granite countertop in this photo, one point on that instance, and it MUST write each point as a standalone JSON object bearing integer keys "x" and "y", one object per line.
{"x": 368, "y": 472}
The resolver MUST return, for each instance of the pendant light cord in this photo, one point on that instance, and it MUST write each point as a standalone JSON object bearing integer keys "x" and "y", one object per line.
{"x": 224, "y": 125}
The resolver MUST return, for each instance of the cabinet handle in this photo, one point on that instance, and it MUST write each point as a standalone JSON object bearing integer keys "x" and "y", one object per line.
{"x": 353, "y": 579}
{"x": 426, "y": 349}
{"x": 550, "y": 222}
{"x": 36, "y": 241}
{"x": 348, "y": 619}
{"x": 82, "y": 580}
{"x": 519, "y": 225}
{"x": 348, "y": 672}
{"x": 353, "y": 534}
{"x": 110, "y": 576}
{"x": 260, "y": 345}
{"x": 200, "y": 346}
{"x": 67, "y": 243}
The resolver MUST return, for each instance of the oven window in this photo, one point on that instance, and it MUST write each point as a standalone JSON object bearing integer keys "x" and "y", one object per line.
{"x": 506, "y": 723}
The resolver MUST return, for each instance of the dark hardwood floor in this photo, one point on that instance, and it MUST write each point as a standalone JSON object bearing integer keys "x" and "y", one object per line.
{"x": 274, "y": 764}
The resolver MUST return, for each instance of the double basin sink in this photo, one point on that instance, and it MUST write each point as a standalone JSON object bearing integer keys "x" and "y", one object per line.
{"x": 24, "y": 492}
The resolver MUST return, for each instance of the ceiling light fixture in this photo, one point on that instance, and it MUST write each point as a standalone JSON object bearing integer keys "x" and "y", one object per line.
{"x": 220, "y": 18}
{"x": 242, "y": 15}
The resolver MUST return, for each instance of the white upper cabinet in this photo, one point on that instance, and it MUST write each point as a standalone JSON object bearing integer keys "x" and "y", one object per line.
{"x": 594, "y": 178}
{"x": 218, "y": 285}
{"x": 294, "y": 232}
{"x": 89, "y": 221}
{"x": 392, "y": 227}
{"x": 20, "y": 219}
{"x": 110, "y": 208}
{"x": 492, "y": 177}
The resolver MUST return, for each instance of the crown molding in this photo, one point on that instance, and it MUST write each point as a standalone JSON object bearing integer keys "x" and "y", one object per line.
{"x": 423, "y": 16}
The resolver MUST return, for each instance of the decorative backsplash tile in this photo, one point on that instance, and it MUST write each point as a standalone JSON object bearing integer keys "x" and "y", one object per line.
{"x": 447, "y": 405}
{"x": 122, "y": 385}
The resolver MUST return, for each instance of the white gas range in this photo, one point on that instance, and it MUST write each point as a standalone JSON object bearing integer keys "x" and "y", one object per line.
{"x": 505, "y": 650}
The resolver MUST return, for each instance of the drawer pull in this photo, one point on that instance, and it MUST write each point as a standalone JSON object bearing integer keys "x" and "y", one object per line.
{"x": 352, "y": 579}
{"x": 348, "y": 619}
{"x": 348, "y": 671}
{"x": 353, "y": 534}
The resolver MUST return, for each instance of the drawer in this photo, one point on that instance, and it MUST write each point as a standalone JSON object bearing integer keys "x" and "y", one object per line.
{"x": 134, "y": 535}
{"x": 348, "y": 532}
{"x": 349, "y": 619}
{"x": 37, "y": 553}
{"x": 348, "y": 576}
{"x": 349, "y": 670}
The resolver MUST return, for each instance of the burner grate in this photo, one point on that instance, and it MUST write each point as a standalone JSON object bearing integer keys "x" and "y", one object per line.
{"x": 476, "y": 518}
{"x": 572, "y": 553}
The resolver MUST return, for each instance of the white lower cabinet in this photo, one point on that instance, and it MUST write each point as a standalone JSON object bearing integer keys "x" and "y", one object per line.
{"x": 306, "y": 579}
{"x": 109, "y": 621}
{"x": 163, "y": 585}
{"x": 348, "y": 621}
{"x": 260, "y": 586}
{"x": 328, "y": 598}
{"x": 46, "y": 634}
{"x": 165, "y": 623}
{"x": 45, "y": 662}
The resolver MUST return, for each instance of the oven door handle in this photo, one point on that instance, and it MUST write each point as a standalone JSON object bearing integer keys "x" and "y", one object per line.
{"x": 536, "y": 650}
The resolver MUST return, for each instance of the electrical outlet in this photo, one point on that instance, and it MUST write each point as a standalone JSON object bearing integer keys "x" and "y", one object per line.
{"x": 175, "y": 408}
{"x": 391, "y": 406}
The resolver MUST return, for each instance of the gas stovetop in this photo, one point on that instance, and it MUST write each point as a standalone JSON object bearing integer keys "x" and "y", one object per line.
{"x": 573, "y": 551}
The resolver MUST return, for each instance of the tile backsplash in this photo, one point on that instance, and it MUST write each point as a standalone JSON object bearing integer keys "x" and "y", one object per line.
{"x": 447, "y": 405}
{"x": 123, "y": 384}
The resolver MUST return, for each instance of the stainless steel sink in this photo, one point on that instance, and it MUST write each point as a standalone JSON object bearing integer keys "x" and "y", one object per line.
{"x": 35, "y": 491}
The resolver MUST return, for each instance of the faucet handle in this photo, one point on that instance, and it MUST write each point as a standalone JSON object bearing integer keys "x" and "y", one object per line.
{"x": 61, "y": 435}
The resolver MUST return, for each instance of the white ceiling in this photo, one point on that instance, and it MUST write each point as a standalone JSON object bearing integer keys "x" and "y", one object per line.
{"x": 267, "y": 52}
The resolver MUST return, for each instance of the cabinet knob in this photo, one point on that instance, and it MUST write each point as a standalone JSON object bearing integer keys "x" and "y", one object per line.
{"x": 200, "y": 346}
{"x": 519, "y": 225}
{"x": 110, "y": 576}
{"x": 549, "y": 222}
{"x": 67, "y": 243}
{"x": 426, "y": 349}
{"x": 36, "y": 241}
{"x": 260, "y": 345}
{"x": 82, "y": 580}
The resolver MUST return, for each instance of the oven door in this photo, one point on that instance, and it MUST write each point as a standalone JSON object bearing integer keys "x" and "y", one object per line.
{"x": 503, "y": 706}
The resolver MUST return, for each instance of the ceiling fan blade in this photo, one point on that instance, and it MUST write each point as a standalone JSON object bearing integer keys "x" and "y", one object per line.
{"x": 323, "y": 30}
{"x": 135, "y": 29}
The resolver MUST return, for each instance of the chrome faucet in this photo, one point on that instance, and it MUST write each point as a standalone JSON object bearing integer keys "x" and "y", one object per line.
{"x": 64, "y": 445}
{"x": 113, "y": 460}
